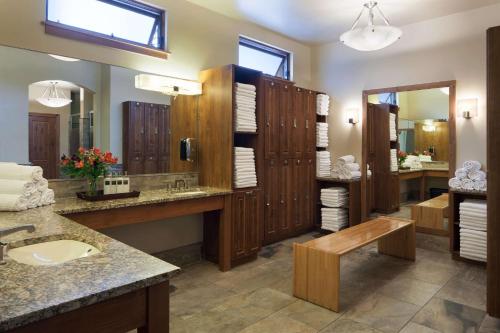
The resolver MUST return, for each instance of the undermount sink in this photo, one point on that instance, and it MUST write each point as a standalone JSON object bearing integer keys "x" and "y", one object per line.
{"x": 52, "y": 253}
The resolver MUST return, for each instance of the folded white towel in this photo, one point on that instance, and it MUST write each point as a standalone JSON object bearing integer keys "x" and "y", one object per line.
{"x": 246, "y": 86}
{"x": 472, "y": 165}
{"x": 352, "y": 166}
{"x": 34, "y": 200}
{"x": 13, "y": 203}
{"x": 18, "y": 187}
{"x": 477, "y": 175}
{"x": 346, "y": 159}
{"x": 42, "y": 184}
{"x": 20, "y": 172}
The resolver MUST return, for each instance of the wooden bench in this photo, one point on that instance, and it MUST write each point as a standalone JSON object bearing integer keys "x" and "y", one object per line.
{"x": 317, "y": 262}
{"x": 429, "y": 215}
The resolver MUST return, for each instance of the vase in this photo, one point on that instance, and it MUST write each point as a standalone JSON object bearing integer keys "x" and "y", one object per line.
{"x": 92, "y": 189}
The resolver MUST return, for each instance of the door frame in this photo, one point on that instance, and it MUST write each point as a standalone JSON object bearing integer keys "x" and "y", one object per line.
{"x": 452, "y": 85}
{"x": 58, "y": 133}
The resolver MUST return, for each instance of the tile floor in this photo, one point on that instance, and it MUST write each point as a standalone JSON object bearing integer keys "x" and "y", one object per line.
{"x": 378, "y": 294}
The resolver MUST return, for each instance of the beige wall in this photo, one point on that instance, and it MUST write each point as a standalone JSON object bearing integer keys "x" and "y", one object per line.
{"x": 447, "y": 48}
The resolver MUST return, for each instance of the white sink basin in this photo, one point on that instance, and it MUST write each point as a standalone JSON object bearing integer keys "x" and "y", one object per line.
{"x": 52, "y": 253}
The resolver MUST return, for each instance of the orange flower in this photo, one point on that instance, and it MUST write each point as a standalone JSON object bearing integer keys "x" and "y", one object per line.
{"x": 97, "y": 151}
{"x": 81, "y": 150}
{"x": 79, "y": 165}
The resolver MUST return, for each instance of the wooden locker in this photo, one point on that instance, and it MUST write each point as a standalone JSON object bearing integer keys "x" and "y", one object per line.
{"x": 253, "y": 211}
{"x": 164, "y": 138}
{"x": 272, "y": 201}
{"x": 272, "y": 116}
{"x": 286, "y": 120}
{"x": 151, "y": 138}
{"x": 133, "y": 137}
{"x": 298, "y": 124}
{"x": 310, "y": 125}
{"x": 309, "y": 192}
{"x": 238, "y": 225}
{"x": 286, "y": 199}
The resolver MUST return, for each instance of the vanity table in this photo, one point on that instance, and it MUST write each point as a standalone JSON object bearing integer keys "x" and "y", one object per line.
{"x": 422, "y": 175}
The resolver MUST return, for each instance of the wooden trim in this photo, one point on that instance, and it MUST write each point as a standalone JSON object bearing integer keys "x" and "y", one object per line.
{"x": 65, "y": 31}
{"x": 158, "y": 309}
{"x": 451, "y": 122}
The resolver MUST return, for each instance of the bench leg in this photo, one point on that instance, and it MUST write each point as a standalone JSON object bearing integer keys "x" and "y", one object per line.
{"x": 300, "y": 271}
{"x": 323, "y": 279}
{"x": 399, "y": 244}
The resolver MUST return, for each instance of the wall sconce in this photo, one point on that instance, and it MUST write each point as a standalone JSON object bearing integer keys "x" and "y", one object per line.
{"x": 353, "y": 116}
{"x": 167, "y": 85}
{"x": 467, "y": 108}
{"x": 429, "y": 126}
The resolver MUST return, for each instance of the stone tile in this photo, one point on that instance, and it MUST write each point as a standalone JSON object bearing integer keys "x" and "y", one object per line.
{"x": 284, "y": 285}
{"x": 447, "y": 316}
{"x": 278, "y": 324}
{"x": 348, "y": 326}
{"x": 410, "y": 290}
{"x": 432, "y": 242}
{"x": 465, "y": 292}
{"x": 429, "y": 271}
{"x": 309, "y": 314}
{"x": 490, "y": 325}
{"x": 247, "y": 281}
{"x": 383, "y": 313}
{"x": 416, "y": 328}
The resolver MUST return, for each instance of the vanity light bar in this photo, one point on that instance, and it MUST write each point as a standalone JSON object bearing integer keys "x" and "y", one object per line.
{"x": 167, "y": 85}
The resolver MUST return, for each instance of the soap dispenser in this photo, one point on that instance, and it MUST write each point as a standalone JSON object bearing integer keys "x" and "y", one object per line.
{"x": 124, "y": 184}
{"x": 107, "y": 184}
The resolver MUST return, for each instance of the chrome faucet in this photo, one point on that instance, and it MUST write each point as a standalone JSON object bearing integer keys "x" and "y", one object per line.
{"x": 10, "y": 230}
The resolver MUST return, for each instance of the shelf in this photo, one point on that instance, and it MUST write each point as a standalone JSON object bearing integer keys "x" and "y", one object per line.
{"x": 456, "y": 256}
{"x": 246, "y": 133}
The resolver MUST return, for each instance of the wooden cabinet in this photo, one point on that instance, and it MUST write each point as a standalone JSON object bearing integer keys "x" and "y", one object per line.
{"x": 286, "y": 120}
{"x": 298, "y": 125}
{"x": 271, "y": 106}
{"x": 284, "y": 183}
{"x": 310, "y": 124}
{"x": 146, "y": 137}
{"x": 246, "y": 210}
{"x": 272, "y": 200}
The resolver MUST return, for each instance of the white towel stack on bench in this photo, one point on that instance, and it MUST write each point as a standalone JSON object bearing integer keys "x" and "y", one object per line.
{"x": 345, "y": 167}
{"x": 394, "y": 160}
{"x": 322, "y": 104}
{"x": 246, "y": 95}
{"x": 334, "y": 197}
{"x": 333, "y": 219}
{"x": 23, "y": 187}
{"x": 393, "y": 134}
{"x": 469, "y": 177}
{"x": 322, "y": 135}
{"x": 473, "y": 221}
{"x": 323, "y": 164}
{"x": 244, "y": 168}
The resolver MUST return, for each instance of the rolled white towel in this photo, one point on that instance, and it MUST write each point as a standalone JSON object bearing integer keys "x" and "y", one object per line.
{"x": 461, "y": 173}
{"x": 480, "y": 185}
{"x": 20, "y": 172}
{"x": 455, "y": 183}
{"x": 472, "y": 165}
{"x": 17, "y": 187}
{"x": 34, "y": 199}
{"x": 476, "y": 175}
{"x": 47, "y": 197}
{"x": 352, "y": 166}
{"x": 42, "y": 184}
{"x": 346, "y": 159}
{"x": 13, "y": 203}
{"x": 467, "y": 184}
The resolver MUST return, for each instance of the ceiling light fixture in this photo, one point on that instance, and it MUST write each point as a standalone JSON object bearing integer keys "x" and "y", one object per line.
{"x": 52, "y": 98}
{"x": 167, "y": 85}
{"x": 372, "y": 37}
{"x": 58, "y": 57}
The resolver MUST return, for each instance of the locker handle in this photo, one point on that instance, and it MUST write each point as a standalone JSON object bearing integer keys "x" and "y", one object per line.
{"x": 268, "y": 204}
{"x": 142, "y": 130}
{"x": 295, "y": 122}
{"x": 248, "y": 193}
{"x": 307, "y": 123}
{"x": 137, "y": 158}
{"x": 282, "y": 201}
{"x": 156, "y": 130}
{"x": 282, "y": 123}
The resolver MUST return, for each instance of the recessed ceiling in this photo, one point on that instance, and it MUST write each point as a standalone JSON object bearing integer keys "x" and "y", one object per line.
{"x": 319, "y": 21}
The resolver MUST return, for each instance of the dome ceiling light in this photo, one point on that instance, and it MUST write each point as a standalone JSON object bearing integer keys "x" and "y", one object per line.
{"x": 53, "y": 98}
{"x": 372, "y": 37}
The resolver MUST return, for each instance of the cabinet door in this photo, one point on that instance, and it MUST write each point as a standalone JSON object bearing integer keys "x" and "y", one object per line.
{"x": 238, "y": 225}
{"x": 286, "y": 199}
{"x": 163, "y": 138}
{"x": 252, "y": 221}
{"x": 298, "y": 194}
{"x": 394, "y": 192}
{"x": 134, "y": 132}
{"x": 309, "y": 203}
{"x": 310, "y": 125}
{"x": 272, "y": 201}
{"x": 298, "y": 123}
{"x": 286, "y": 120}
{"x": 151, "y": 138}
{"x": 271, "y": 113}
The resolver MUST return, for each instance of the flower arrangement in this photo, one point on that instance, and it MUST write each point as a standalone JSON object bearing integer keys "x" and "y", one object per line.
{"x": 402, "y": 157}
{"x": 88, "y": 163}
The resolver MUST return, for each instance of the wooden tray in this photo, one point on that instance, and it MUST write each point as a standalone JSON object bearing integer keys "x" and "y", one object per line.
{"x": 101, "y": 196}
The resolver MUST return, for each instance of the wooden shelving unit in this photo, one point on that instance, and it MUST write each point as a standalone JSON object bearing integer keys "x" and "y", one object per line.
{"x": 456, "y": 197}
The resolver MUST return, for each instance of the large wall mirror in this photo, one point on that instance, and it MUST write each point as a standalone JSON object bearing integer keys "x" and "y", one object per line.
{"x": 89, "y": 112}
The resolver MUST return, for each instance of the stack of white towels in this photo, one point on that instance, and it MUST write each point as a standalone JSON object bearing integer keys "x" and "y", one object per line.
{"x": 323, "y": 164}
{"x": 469, "y": 177}
{"x": 393, "y": 134}
{"x": 322, "y": 135}
{"x": 23, "y": 187}
{"x": 334, "y": 219}
{"x": 412, "y": 162}
{"x": 322, "y": 104}
{"x": 334, "y": 197}
{"x": 345, "y": 167}
{"x": 394, "y": 160}
{"x": 473, "y": 221}
{"x": 244, "y": 168}
{"x": 246, "y": 95}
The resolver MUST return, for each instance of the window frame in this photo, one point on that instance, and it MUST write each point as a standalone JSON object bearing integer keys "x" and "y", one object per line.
{"x": 272, "y": 50}
{"x": 89, "y": 36}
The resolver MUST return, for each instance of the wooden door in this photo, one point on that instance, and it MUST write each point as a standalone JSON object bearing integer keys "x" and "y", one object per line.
{"x": 44, "y": 143}
{"x": 272, "y": 116}
{"x": 308, "y": 185}
{"x": 286, "y": 120}
{"x": 151, "y": 131}
{"x": 286, "y": 199}
{"x": 298, "y": 194}
{"x": 133, "y": 137}
{"x": 298, "y": 123}
{"x": 238, "y": 225}
{"x": 272, "y": 201}
{"x": 164, "y": 138}
{"x": 310, "y": 124}
{"x": 253, "y": 219}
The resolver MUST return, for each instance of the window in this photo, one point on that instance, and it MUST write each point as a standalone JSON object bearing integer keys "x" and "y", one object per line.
{"x": 264, "y": 58}
{"x": 124, "y": 24}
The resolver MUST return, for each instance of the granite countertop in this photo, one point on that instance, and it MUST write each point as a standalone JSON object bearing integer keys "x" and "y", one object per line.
{"x": 65, "y": 206}
{"x": 423, "y": 169}
{"x": 31, "y": 293}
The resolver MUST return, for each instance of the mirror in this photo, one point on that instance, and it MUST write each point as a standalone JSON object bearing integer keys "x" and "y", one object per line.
{"x": 52, "y": 105}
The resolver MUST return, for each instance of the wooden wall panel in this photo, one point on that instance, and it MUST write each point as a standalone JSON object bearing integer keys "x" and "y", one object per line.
{"x": 183, "y": 124}
{"x": 439, "y": 139}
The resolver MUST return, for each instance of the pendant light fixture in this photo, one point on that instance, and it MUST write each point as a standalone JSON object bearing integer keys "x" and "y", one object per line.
{"x": 53, "y": 98}
{"x": 372, "y": 37}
